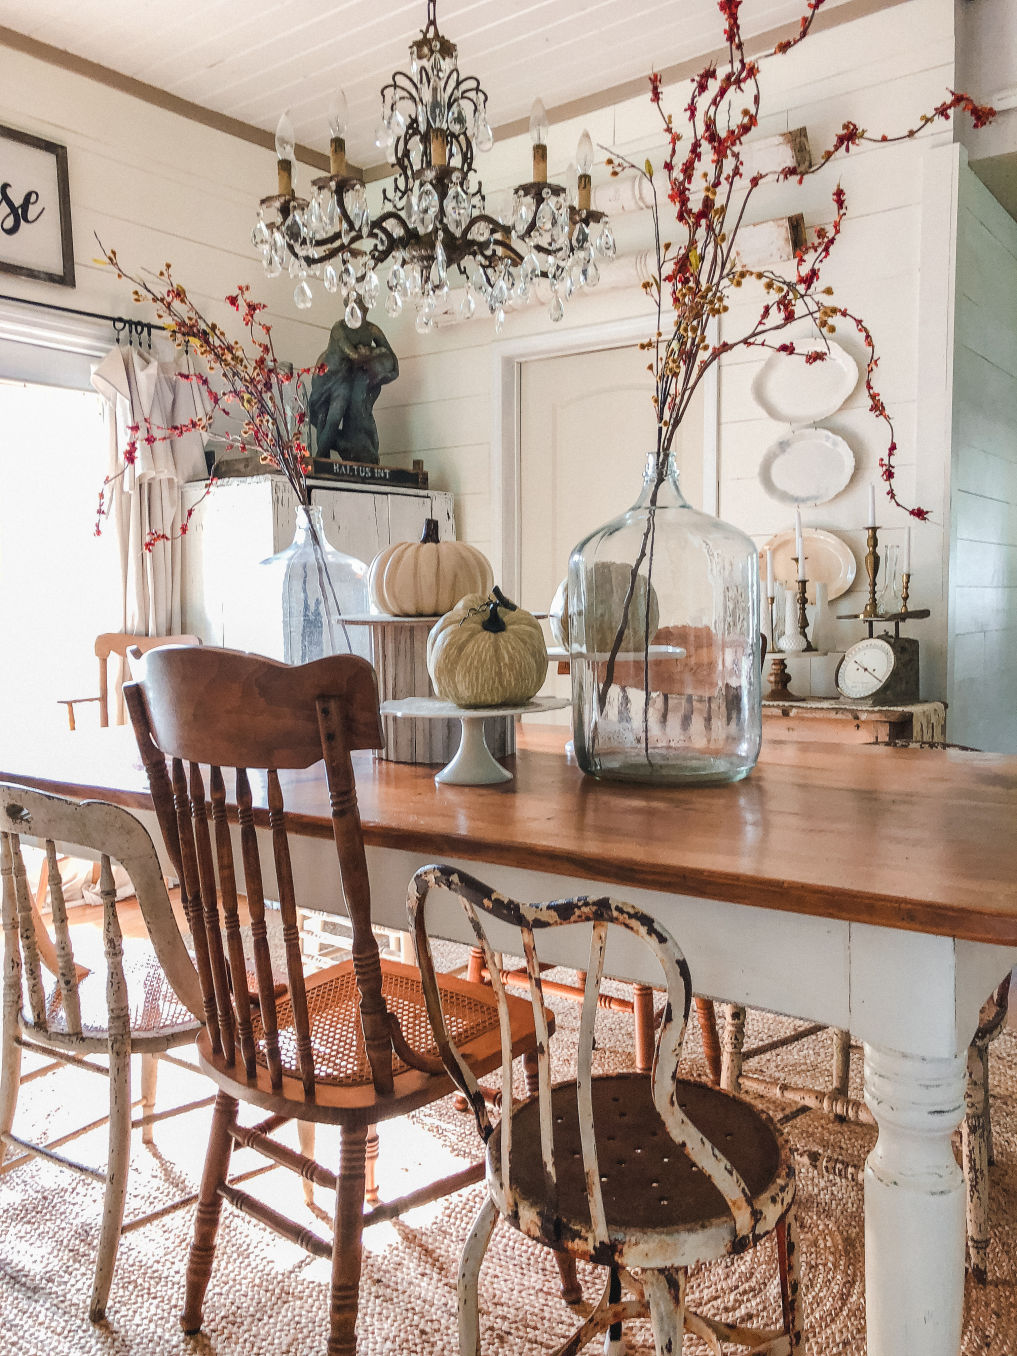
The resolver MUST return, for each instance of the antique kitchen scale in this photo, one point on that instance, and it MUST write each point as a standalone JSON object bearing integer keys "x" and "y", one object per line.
{"x": 881, "y": 669}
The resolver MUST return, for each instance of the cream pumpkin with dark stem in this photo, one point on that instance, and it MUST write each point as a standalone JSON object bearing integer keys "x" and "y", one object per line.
{"x": 487, "y": 652}
{"x": 425, "y": 578}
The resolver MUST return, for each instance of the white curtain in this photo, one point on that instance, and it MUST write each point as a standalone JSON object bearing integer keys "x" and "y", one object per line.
{"x": 145, "y": 496}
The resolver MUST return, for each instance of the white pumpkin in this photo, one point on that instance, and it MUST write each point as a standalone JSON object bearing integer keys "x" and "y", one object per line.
{"x": 606, "y": 587}
{"x": 426, "y": 578}
{"x": 486, "y": 652}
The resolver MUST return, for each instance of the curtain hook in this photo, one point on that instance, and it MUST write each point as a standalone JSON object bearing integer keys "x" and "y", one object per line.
{"x": 119, "y": 325}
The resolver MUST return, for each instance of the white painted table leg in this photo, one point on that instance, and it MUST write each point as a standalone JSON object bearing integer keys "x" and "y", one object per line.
{"x": 914, "y": 1205}
{"x": 473, "y": 765}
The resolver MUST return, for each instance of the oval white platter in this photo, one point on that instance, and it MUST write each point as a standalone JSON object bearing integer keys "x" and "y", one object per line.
{"x": 828, "y": 559}
{"x": 809, "y": 466}
{"x": 792, "y": 391}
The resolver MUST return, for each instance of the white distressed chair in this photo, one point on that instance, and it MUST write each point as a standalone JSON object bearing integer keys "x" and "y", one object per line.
{"x": 143, "y": 1000}
{"x": 649, "y": 1175}
{"x": 977, "y": 1152}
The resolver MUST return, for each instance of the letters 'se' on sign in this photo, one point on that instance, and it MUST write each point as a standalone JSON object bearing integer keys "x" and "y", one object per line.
{"x": 35, "y": 208}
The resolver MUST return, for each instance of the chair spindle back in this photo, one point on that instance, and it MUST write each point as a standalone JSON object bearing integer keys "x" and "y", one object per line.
{"x": 482, "y": 905}
{"x": 240, "y": 715}
{"x": 29, "y": 949}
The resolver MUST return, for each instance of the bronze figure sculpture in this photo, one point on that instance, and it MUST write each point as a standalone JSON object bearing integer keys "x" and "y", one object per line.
{"x": 358, "y": 363}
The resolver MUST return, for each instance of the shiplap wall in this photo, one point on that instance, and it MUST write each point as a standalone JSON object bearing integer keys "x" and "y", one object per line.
{"x": 155, "y": 187}
{"x": 983, "y": 555}
{"x": 891, "y": 266}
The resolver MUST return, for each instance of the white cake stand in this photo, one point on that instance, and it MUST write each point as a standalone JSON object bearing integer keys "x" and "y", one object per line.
{"x": 473, "y": 764}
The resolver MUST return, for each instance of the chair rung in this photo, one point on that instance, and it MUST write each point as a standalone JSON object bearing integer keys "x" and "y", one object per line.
{"x": 832, "y": 1103}
{"x": 779, "y": 1042}
{"x": 252, "y": 1138}
{"x": 433, "y": 1191}
{"x": 37, "y": 1151}
{"x": 552, "y": 988}
{"x": 63, "y": 1057}
{"x": 831, "y": 1165}
{"x": 264, "y": 1214}
{"x": 154, "y": 1117}
{"x": 183, "y": 1201}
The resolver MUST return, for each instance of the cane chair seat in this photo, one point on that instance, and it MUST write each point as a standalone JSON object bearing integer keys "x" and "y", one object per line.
{"x": 340, "y": 1054}
{"x": 653, "y": 1193}
{"x": 153, "y": 1008}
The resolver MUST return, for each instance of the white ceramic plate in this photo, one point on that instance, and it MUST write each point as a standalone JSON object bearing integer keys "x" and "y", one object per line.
{"x": 792, "y": 391}
{"x": 827, "y": 558}
{"x": 809, "y": 466}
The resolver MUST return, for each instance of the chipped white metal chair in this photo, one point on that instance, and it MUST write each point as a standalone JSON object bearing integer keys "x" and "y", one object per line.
{"x": 139, "y": 998}
{"x": 647, "y": 1176}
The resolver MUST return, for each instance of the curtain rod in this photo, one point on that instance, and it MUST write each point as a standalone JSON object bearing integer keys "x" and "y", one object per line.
{"x": 119, "y": 322}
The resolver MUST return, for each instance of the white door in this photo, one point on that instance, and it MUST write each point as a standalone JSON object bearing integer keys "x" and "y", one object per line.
{"x": 586, "y": 425}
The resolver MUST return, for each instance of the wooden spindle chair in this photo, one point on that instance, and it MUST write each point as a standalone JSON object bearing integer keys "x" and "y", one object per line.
{"x": 110, "y": 645}
{"x": 349, "y": 1045}
{"x": 651, "y": 1174}
{"x": 145, "y": 1002}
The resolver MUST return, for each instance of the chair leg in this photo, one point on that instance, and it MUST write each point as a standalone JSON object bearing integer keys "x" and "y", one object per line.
{"x": 10, "y": 1077}
{"x": 305, "y": 1138}
{"x": 116, "y": 1176}
{"x": 642, "y": 1010}
{"x": 990, "y": 1147}
{"x": 706, "y": 1012}
{"x": 614, "y": 1342}
{"x": 790, "y": 1284}
{"x": 841, "y": 1064}
{"x": 975, "y": 1155}
{"x": 347, "y": 1245}
{"x": 206, "y": 1220}
{"x": 734, "y": 1044}
{"x": 665, "y": 1291}
{"x": 149, "y": 1080}
{"x": 469, "y": 1276}
{"x": 371, "y": 1195}
{"x": 571, "y": 1291}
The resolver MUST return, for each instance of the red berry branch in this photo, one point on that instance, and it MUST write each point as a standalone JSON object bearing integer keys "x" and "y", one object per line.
{"x": 709, "y": 189}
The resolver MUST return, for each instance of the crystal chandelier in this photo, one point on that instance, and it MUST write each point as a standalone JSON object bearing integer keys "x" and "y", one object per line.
{"x": 434, "y": 226}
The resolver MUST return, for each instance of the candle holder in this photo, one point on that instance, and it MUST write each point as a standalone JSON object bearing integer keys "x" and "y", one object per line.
{"x": 871, "y": 608}
{"x": 905, "y": 585}
{"x": 801, "y": 588}
{"x": 780, "y": 681}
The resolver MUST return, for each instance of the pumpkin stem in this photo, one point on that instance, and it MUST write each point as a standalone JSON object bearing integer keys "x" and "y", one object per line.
{"x": 494, "y": 621}
{"x": 502, "y": 601}
{"x": 430, "y": 532}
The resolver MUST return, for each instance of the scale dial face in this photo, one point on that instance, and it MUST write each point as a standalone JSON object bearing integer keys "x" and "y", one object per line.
{"x": 865, "y": 668}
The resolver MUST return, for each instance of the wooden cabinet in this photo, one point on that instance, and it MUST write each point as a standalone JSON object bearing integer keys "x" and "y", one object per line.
{"x": 245, "y": 520}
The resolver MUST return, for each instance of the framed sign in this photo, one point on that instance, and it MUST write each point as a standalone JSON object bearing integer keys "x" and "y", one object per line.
{"x": 35, "y": 208}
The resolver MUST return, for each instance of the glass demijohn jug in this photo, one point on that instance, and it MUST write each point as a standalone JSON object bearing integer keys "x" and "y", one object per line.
{"x": 316, "y": 590}
{"x": 664, "y": 643}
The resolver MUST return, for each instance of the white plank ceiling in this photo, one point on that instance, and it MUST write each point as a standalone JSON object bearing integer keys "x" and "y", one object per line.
{"x": 251, "y": 59}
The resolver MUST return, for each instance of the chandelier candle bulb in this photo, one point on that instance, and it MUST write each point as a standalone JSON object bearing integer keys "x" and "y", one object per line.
{"x": 439, "y": 147}
{"x": 337, "y": 157}
{"x": 538, "y": 134}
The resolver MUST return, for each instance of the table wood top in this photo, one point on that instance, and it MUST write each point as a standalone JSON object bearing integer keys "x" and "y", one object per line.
{"x": 903, "y": 837}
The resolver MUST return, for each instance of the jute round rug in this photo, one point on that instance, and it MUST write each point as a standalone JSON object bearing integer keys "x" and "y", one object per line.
{"x": 268, "y": 1298}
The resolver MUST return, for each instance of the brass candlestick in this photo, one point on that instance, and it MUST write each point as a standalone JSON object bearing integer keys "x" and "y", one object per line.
{"x": 780, "y": 682}
{"x": 872, "y": 570}
{"x": 905, "y": 584}
{"x": 801, "y": 586}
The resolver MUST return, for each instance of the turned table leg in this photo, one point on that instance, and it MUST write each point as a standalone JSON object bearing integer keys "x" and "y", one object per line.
{"x": 914, "y": 1205}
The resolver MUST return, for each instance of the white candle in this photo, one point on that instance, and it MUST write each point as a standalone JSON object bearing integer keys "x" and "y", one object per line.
{"x": 769, "y": 573}
{"x": 801, "y": 563}
{"x": 907, "y": 551}
{"x": 872, "y": 506}
{"x": 799, "y": 549}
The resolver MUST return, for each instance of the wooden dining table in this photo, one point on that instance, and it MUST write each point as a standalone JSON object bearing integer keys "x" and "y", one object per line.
{"x": 864, "y": 887}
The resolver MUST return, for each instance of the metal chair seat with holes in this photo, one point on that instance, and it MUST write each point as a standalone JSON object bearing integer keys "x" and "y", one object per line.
{"x": 70, "y": 1001}
{"x": 646, "y": 1176}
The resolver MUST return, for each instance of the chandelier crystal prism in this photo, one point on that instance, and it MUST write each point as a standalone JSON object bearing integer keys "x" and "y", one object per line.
{"x": 435, "y": 227}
